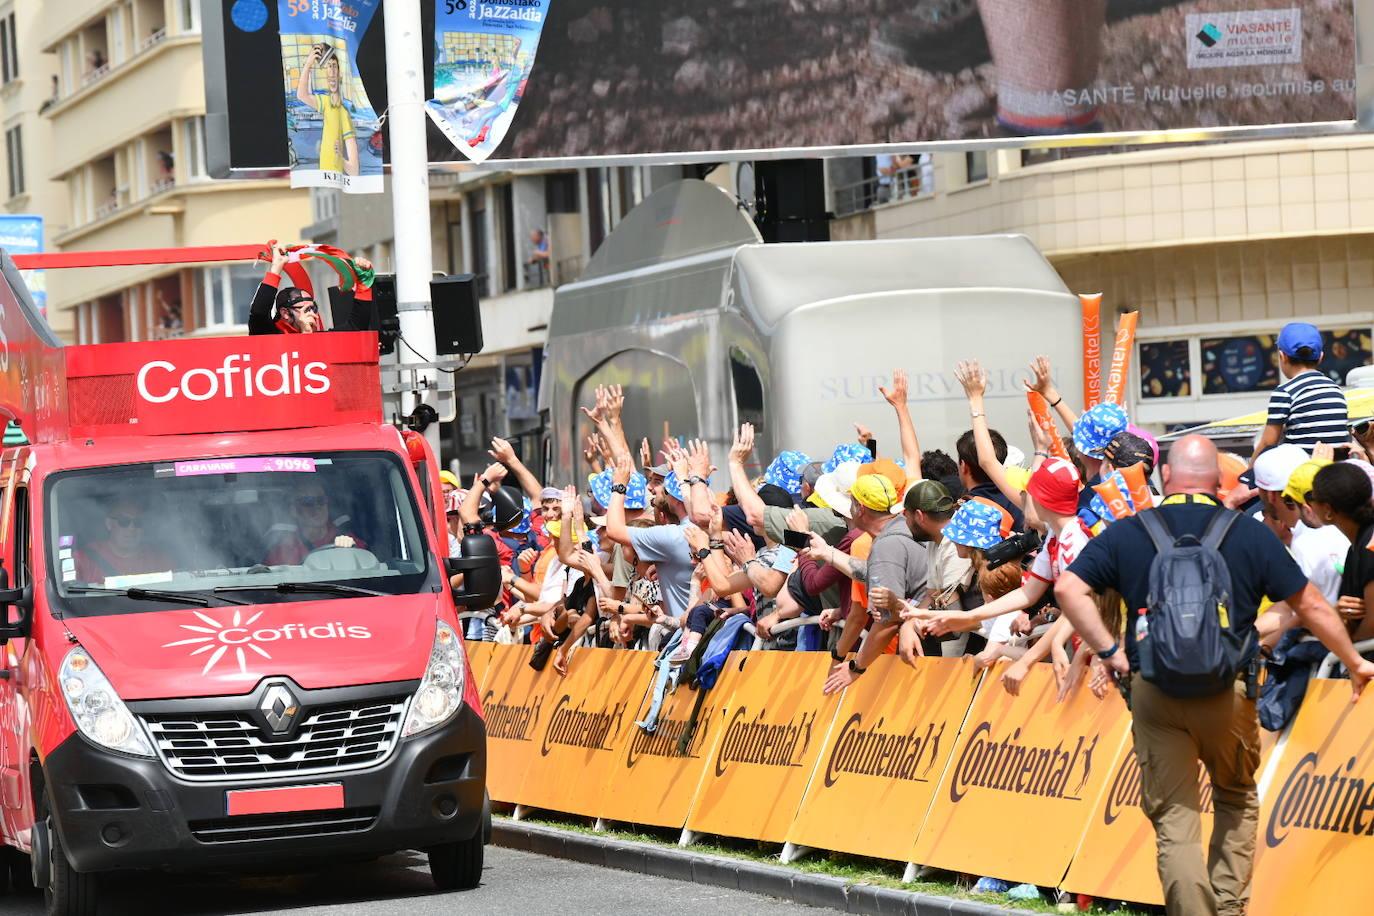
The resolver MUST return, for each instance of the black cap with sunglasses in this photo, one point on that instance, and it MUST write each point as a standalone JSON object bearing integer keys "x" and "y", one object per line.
{"x": 282, "y": 310}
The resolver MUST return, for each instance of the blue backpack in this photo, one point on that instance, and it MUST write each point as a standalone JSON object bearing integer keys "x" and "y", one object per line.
{"x": 1185, "y": 642}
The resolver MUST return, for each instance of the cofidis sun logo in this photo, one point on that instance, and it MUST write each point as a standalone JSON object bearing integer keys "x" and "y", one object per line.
{"x": 241, "y": 637}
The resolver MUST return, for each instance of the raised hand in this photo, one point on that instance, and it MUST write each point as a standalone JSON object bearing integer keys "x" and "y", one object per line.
{"x": 696, "y": 538}
{"x": 797, "y": 521}
{"x": 502, "y": 451}
{"x": 865, "y": 434}
{"x": 621, "y": 468}
{"x": 897, "y": 394}
{"x": 646, "y": 454}
{"x": 699, "y": 459}
{"x": 1041, "y": 379}
{"x": 740, "y": 548}
{"x": 613, "y": 405}
{"x": 743, "y": 446}
{"x": 972, "y": 377}
{"x": 495, "y": 473}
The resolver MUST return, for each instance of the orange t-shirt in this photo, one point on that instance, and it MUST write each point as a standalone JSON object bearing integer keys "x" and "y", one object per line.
{"x": 859, "y": 550}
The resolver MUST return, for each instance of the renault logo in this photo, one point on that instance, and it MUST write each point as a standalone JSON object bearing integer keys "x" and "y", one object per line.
{"x": 279, "y": 708}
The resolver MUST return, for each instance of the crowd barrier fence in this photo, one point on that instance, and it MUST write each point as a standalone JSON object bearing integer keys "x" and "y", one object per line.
{"x": 936, "y": 765}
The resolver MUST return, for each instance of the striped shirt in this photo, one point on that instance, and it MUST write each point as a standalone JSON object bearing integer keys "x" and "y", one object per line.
{"x": 1312, "y": 409}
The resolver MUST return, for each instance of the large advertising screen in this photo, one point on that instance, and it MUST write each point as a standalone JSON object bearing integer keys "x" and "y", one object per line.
{"x": 675, "y": 80}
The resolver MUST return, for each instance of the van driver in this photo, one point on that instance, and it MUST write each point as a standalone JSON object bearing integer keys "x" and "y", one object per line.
{"x": 314, "y": 528}
{"x": 123, "y": 551}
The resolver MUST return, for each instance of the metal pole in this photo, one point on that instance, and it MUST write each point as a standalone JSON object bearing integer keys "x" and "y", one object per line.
{"x": 405, "y": 85}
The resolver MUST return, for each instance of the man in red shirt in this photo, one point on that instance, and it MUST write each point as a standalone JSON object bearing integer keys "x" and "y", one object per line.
{"x": 123, "y": 552}
{"x": 314, "y": 529}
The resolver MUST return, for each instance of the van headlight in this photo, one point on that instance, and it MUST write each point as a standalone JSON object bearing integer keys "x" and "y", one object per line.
{"x": 97, "y": 709}
{"x": 441, "y": 692}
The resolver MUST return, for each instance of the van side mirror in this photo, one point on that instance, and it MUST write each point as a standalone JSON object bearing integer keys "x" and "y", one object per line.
{"x": 481, "y": 569}
{"x": 15, "y": 618}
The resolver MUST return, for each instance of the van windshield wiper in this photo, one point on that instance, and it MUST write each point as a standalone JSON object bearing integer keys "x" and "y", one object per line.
{"x": 298, "y": 588}
{"x": 150, "y": 594}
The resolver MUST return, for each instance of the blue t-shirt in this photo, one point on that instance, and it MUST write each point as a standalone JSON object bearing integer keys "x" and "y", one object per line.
{"x": 1120, "y": 557}
{"x": 666, "y": 547}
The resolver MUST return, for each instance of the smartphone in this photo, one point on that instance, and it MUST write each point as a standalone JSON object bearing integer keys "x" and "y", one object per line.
{"x": 797, "y": 540}
{"x": 1342, "y": 452}
{"x": 872, "y": 448}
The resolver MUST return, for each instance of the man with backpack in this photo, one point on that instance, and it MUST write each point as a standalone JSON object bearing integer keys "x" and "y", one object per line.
{"x": 1192, "y": 576}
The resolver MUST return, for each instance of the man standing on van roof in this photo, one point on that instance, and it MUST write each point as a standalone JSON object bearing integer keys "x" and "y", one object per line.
{"x": 296, "y": 311}
{"x": 1308, "y": 408}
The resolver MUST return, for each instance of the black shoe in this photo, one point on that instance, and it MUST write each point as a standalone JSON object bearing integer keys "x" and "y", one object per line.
{"x": 944, "y": 40}
{"x": 540, "y": 657}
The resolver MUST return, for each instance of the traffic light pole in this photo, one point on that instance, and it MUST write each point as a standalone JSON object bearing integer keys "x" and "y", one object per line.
{"x": 414, "y": 261}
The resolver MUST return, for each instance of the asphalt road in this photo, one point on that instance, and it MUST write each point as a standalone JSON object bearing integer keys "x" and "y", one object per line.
{"x": 515, "y": 883}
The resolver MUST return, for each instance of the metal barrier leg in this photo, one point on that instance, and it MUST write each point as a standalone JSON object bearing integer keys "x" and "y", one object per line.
{"x": 791, "y": 852}
{"x": 521, "y": 813}
{"x": 688, "y": 837}
{"x": 600, "y": 825}
{"x": 911, "y": 873}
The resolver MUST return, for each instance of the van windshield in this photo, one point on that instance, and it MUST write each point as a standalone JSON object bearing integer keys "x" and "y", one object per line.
{"x": 252, "y": 529}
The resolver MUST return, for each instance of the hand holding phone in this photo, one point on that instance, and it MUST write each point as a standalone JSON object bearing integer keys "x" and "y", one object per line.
{"x": 797, "y": 540}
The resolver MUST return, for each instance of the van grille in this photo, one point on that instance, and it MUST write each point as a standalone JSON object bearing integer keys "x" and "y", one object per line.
{"x": 259, "y": 827}
{"x": 230, "y": 745}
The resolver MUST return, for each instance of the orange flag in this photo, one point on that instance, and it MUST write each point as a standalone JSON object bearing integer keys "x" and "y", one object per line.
{"x": 1092, "y": 348}
{"x": 1040, "y": 409}
{"x": 1121, "y": 358}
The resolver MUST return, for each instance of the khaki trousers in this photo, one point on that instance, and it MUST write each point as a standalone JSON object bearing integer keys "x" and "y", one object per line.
{"x": 1171, "y": 736}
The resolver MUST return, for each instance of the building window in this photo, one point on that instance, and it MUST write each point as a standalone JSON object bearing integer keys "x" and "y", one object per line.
{"x": 1165, "y": 370}
{"x": 1345, "y": 349}
{"x": 1234, "y": 365}
{"x": 193, "y": 147}
{"x": 9, "y": 50}
{"x": 560, "y": 192}
{"x": 14, "y": 158}
{"x": 505, "y": 198}
{"x": 225, "y": 294}
{"x": 188, "y": 15}
{"x": 976, "y": 167}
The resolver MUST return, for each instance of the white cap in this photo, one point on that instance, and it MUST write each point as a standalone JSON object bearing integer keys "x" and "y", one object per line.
{"x": 833, "y": 488}
{"x": 1015, "y": 457}
{"x": 1274, "y": 467}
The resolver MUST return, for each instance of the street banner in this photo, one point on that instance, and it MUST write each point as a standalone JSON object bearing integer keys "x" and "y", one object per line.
{"x": 483, "y": 53}
{"x": 1116, "y": 859}
{"x": 769, "y": 737}
{"x": 23, "y": 234}
{"x": 651, "y": 781}
{"x": 1120, "y": 372}
{"x": 673, "y": 81}
{"x": 333, "y": 132}
{"x": 1092, "y": 349}
{"x": 1316, "y": 828}
{"x": 893, "y": 736}
{"x": 516, "y": 703}
{"x": 590, "y": 712}
{"x": 1025, "y": 759}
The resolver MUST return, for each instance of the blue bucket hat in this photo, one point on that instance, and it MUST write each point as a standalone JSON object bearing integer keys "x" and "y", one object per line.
{"x": 524, "y": 526}
{"x": 786, "y": 471}
{"x": 849, "y": 451}
{"x": 1096, "y": 428}
{"x": 636, "y": 491}
{"x": 976, "y": 525}
{"x": 673, "y": 487}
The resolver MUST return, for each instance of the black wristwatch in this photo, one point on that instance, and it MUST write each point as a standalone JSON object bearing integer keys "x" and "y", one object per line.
{"x": 487, "y": 484}
{"x": 472, "y": 528}
{"x": 1108, "y": 652}
{"x": 620, "y": 488}
{"x": 854, "y": 667}
{"x": 702, "y": 554}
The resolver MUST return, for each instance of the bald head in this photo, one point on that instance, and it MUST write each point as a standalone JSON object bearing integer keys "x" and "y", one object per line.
{"x": 1192, "y": 467}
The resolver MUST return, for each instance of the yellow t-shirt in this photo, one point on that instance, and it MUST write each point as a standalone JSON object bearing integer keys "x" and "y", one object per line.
{"x": 338, "y": 128}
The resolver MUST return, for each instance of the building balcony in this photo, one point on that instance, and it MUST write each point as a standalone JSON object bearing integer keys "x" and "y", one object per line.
{"x": 162, "y": 81}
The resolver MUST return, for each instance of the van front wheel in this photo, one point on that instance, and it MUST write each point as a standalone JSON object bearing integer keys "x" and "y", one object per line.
{"x": 457, "y": 866}
{"x": 68, "y": 892}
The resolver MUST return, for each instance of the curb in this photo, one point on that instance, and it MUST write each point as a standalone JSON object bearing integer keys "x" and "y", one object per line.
{"x": 735, "y": 874}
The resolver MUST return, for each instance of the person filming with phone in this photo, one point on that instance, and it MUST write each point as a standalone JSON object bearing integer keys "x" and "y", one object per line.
{"x": 1192, "y": 575}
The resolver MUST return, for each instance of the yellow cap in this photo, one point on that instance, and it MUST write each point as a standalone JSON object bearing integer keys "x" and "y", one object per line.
{"x": 450, "y": 478}
{"x": 1018, "y": 477}
{"x": 555, "y": 530}
{"x": 1300, "y": 481}
{"x": 877, "y": 493}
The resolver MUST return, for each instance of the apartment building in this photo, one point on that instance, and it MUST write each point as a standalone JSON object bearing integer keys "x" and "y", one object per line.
{"x": 1216, "y": 244}
{"x": 125, "y": 140}
{"x": 26, "y": 88}
{"x": 498, "y": 226}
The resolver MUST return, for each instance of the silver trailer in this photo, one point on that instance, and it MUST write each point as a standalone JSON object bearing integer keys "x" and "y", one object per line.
{"x": 706, "y": 327}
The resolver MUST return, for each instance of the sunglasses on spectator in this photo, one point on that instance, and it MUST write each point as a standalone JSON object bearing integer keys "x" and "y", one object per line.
{"x": 1362, "y": 428}
{"x": 127, "y": 521}
{"x": 304, "y": 305}
{"x": 311, "y": 502}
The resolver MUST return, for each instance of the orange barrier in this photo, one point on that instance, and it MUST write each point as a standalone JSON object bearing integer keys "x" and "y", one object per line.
{"x": 1092, "y": 348}
{"x": 1027, "y": 761}
{"x": 1116, "y": 858}
{"x": 892, "y": 739}
{"x": 479, "y": 660}
{"x": 1121, "y": 358}
{"x": 516, "y": 702}
{"x": 1316, "y": 829}
{"x": 648, "y": 781}
{"x": 769, "y": 737}
{"x": 589, "y": 714}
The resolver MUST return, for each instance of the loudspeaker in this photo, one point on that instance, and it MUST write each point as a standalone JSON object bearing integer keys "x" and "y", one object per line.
{"x": 790, "y": 200}
{"x": 384, "y": 302}
{"x": 457, "y": 315}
